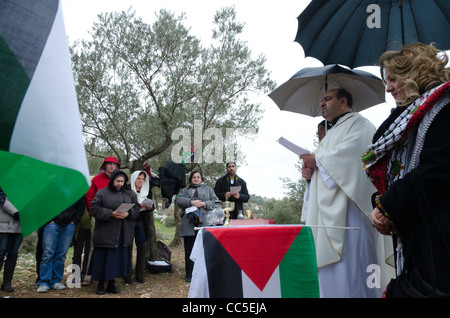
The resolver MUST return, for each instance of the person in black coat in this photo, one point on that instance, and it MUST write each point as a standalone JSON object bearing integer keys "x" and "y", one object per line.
{"x": 222, "y": 189}
{"x": 408, "y": 164}
{"x": 113, "y": 233}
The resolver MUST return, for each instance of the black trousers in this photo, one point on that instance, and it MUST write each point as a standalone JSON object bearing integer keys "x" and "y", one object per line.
{"x": 82, "y": 242}
{"x": 188, "y": 245}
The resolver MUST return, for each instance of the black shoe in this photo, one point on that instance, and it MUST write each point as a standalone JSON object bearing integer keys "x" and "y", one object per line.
{"x": 100, "y": 288}
{"x": 111, "y": 288}
{"x": 188, "y": 279}
{"x": 7, "y": 287}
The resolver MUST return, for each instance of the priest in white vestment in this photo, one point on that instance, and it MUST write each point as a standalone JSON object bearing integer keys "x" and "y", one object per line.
{"x": 340, "y": 196}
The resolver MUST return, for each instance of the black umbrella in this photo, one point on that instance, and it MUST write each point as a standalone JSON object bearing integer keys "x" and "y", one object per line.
{"x": 356, "y": 32}
{"x": 303, "y": 92}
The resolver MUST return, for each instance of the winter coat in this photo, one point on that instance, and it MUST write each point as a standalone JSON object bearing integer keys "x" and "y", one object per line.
{"x": 8, "y": 223}
{"x": 223, "y": 186}
{"x": 418, "y": 206}
{"x": 205, "y": 194}
{"x": 108, "y": 229}
{"x": 172, "y": 179}
{"x": 73, "y": 213}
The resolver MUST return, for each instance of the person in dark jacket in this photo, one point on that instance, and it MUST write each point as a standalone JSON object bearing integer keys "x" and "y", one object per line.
{"x": 172, "y": 180}
{"x": 408, "y": 164}
{"x": 56, "y": 240}
{"x": 113, "y": 232}
{"x": 222, "y": 189}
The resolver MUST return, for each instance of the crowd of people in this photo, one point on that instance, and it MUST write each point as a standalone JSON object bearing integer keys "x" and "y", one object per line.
{"x": 389, "y": 183}
{"x": 116, "y": 228}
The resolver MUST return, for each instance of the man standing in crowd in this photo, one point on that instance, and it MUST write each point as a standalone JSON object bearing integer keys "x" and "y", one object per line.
{"x": 224, "y": 186}
{"x": 100, "y": 181}
{"x": 340, "y": 196}
{"x": 56, "y": 240}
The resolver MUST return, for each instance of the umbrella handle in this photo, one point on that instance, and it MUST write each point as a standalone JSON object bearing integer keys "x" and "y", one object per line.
{"x": 400, "y": 5}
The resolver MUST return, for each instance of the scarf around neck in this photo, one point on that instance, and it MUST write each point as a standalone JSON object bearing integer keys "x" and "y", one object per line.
{"x": 386, "y": 155}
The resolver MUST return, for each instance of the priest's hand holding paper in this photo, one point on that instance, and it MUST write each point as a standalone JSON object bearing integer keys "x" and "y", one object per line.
{"x": 309, "y": 160}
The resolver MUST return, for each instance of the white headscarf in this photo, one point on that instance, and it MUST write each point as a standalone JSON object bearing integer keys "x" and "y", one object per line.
{"x": 145, "y": 187}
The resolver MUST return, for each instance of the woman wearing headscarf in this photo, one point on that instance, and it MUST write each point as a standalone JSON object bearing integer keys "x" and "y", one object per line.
{"x": 113, "y": 233}
{"x": 408, "y": 164}
{"x": 195, "y": 200}
{"x": 140, "y": 184}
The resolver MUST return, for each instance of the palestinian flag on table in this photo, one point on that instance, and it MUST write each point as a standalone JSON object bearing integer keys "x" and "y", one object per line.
{"x": 264, "y": 261}
{"x": 43, "y": 162}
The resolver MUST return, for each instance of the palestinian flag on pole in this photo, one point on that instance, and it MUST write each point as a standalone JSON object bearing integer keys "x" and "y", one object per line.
{"x": 260, "y": 261}
{"x": 43, "y": 162}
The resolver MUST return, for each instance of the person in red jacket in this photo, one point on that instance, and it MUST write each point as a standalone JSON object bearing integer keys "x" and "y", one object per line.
{"x": 100, "y": 181}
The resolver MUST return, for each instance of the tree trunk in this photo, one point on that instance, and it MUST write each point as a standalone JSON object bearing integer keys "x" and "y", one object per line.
{"x": 153, "y": 254}
{"x": 176, "y": 238}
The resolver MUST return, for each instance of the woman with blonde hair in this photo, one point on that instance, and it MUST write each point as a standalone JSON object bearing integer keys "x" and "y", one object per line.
{"x": 408, "y": 164}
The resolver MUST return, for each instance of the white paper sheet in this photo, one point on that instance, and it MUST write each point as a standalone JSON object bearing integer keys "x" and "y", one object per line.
{"x": 292, "y": 147}
{"x": 147, "y": 202}
{"x": 235, "y": 189}
{"x": 125, "y": 207}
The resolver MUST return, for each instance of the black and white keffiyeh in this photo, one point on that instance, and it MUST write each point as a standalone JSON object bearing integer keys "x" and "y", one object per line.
{"x": 394, "y": 148}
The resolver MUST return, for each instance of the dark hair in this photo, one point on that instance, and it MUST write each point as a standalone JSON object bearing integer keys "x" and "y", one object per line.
{"x": 143, "y": 173}
{"x": 322, "y": 123}
{"x": 229, "y": 162}
{"x": 342, "y": 92}
{"x": 119, "y": 173}
{"x": 192, "y": 174}
{"x": 115, "y": 175}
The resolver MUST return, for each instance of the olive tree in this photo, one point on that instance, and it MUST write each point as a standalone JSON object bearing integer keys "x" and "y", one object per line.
{"x": 138, "y": 83}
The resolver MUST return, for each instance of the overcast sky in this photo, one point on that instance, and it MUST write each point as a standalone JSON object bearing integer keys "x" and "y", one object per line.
{"x": 270, "y": 29}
